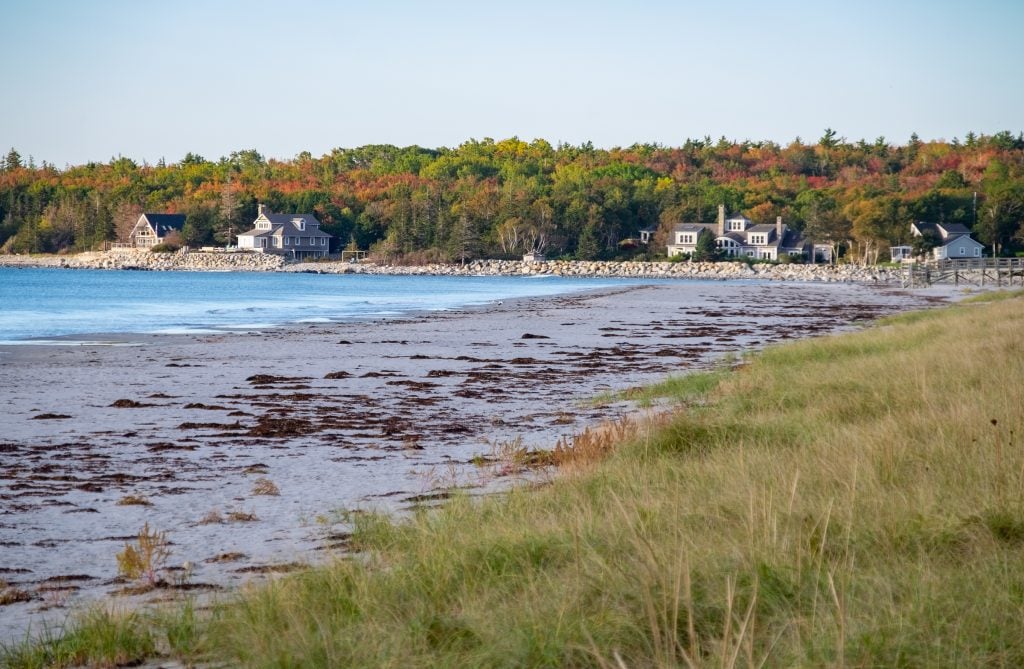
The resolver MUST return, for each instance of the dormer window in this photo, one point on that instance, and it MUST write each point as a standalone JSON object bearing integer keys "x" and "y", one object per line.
{"x": 300, "y": 223}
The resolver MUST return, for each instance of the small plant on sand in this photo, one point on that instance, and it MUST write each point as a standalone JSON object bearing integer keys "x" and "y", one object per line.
{"x": 242, "y": 517}
{"x": 182, "y": 576}
{"x": 144, "y": 559}
{"x": 10, "y": 595}
{"x": 134, "y": 500}
{"x": 212, "y": 517}
{"x": 264, "y": 486}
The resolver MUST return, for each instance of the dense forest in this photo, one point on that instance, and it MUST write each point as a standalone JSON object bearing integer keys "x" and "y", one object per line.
{"x": 500, "y": 198}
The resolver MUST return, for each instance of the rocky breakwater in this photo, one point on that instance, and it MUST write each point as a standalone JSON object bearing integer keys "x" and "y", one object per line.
{"x": 636, "y": 270}
{"x": 196, "y": 261}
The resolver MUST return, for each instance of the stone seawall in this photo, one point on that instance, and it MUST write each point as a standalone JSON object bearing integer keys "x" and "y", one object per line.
{"x": 637, "y": 270}
{"x": 196, "y": 261}
{"x": 259, "y": 262}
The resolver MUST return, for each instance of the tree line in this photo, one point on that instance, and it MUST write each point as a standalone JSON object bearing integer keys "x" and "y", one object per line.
{"x": 488, "y": 198}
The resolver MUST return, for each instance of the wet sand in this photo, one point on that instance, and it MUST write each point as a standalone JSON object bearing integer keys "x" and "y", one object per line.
{"x": 337, "y": 418}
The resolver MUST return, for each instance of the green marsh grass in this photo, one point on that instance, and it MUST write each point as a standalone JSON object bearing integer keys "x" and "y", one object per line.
{"x": 855, "y": 500}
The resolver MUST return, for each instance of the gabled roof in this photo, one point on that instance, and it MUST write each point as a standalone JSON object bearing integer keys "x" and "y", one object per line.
{"x": 694, "y": 227}
{"x": 791, "y": 239}
{"x": 762, "y": 227}
{"x": 953, "y": 229}
{"x": 283, "y": 219}
{"x": 961, "y": 239}
{"x": 163, "y": 224}
{"x": 284, "y": 224}
{"x": 944, "y": 231}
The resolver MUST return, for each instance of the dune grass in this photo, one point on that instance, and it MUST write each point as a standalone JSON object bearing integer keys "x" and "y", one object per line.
{"x": 850, "y": 500}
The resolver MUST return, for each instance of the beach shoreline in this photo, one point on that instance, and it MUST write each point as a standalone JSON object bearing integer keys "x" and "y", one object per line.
{"x": 382, "y": 414}
{"x": 222, "y": 261}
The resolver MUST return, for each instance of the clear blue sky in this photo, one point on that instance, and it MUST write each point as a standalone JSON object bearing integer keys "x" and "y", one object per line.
{"x": 88, "y": 80}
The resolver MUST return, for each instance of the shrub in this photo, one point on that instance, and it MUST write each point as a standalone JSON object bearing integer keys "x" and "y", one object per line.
{"x": 144, "y": 560}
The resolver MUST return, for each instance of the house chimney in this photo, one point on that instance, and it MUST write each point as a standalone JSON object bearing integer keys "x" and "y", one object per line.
{"x": 779, "y": 227}
{"x": 721, "y": 220}
{"x": 260, "y": 209}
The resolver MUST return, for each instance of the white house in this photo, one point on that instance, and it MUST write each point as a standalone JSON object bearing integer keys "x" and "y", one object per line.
{"x": 738, "y": 236}
{"x": 152, "y": 229}
{"x": 953, "y": 240}
{"x": 293, "y": 235}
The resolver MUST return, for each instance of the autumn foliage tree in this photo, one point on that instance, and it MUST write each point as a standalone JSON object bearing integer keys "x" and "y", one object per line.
{"x": 487, "y": 198}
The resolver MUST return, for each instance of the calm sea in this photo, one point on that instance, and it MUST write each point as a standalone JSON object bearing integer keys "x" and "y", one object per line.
{"x": 42, "y": 303}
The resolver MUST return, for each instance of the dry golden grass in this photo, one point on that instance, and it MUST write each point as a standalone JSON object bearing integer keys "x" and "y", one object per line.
{"x": 264, "y": 486}
{"x": 134, "y": 500}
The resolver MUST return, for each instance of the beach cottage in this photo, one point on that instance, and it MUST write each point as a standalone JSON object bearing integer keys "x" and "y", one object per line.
{"x": 952, "y": 240}
{"x": 152, "y": 229}
{"x": 297, "y": 236}
{"x": 738, "y": 236}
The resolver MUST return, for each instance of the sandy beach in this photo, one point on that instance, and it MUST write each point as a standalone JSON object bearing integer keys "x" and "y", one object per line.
{"x": 335, "y": 418}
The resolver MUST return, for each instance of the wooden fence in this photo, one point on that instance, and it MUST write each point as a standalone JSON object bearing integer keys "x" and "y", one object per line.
{"x": 969, "y": 271}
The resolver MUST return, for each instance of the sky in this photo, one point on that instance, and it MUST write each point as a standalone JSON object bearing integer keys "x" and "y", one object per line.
{"x": 85, "y": 81}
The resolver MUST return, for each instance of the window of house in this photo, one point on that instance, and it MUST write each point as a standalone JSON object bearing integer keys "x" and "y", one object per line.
{"x": 963, "y": 251}
{"x": 977, "y": 252}
{"x": 750, "y": 254}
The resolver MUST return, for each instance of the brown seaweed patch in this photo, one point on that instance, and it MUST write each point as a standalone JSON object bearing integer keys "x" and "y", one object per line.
{"x": 269, "y": 379}
{"x": 129, "y": 404}
{"x": 282, "y": 568}
{"x": 413, "y": 385}
{"x": 337, "y": 375}
{"x": 269, "y": 426}
{"x": 210, "y": 426}
{"x": 226, "y": 557}
{"x": 50, "y": 416}
{"x": 162, "y": 446}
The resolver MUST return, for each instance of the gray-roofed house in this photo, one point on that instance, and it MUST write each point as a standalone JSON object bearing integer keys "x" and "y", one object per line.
{"x": 152, "y": 229}
{"x": 738, "y": 236}
{"x": 953, "y": 240}
{"x": 297, "y": 236}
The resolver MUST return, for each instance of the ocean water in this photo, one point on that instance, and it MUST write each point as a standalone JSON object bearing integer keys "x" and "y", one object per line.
{"x": 39, "y": 304}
